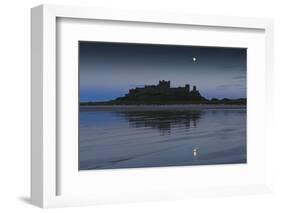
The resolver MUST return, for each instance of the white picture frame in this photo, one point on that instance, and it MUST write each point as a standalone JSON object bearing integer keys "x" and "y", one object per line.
{"x": 44, "y": 148}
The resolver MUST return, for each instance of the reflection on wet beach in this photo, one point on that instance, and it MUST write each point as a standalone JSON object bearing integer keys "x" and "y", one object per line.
{"x": 164, "y": 121}
{"x": 135, "y": 138}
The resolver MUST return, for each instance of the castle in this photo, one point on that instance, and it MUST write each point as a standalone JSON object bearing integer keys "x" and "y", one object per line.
{"x": 164, "y": 88}
{"x": 164, "y": 94}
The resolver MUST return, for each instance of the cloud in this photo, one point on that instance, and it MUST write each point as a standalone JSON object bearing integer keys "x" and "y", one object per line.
{"x": 228, "y": 86}
{"x": 136, "y": 85}
{"x": 239, "y": 77}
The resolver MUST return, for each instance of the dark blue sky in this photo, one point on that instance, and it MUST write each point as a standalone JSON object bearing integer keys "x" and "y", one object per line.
{"x": 108, "y": 70}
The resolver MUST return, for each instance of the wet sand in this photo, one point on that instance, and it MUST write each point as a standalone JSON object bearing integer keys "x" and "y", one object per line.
{"x": 114, "y": 137}
{"x": 160, "y": 107}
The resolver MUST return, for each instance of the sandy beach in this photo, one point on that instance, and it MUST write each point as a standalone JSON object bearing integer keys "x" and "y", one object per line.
{"x": 128, "y": 136}
{"x": 160, "y": 107}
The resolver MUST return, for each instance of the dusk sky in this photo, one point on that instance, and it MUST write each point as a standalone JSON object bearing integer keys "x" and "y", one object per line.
{"x": 108, "y": 70}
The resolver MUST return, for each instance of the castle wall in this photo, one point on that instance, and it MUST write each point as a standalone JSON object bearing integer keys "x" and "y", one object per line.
{"x": 164, "y": 88}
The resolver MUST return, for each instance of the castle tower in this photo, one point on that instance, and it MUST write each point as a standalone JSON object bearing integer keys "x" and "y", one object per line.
{"x": 164, "y": 84}
{"x": 187, "y": 88}
{"x": 194, "y": 89}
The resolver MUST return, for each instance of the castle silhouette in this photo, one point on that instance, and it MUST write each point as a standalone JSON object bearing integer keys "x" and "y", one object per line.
{"x": 162, "y": 93}
{"x": 164, "y": 88}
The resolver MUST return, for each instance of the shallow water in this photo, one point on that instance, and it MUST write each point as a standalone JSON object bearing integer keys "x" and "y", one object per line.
{"x": 111, "y": 139}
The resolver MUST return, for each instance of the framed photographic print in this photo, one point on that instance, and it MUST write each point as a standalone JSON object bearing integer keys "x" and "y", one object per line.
{"x": 134, "y": 120}
{"x": 130, "y": 106}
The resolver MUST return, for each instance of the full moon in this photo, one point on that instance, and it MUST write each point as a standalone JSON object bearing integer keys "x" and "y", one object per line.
{"x": 194, "y": 59}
